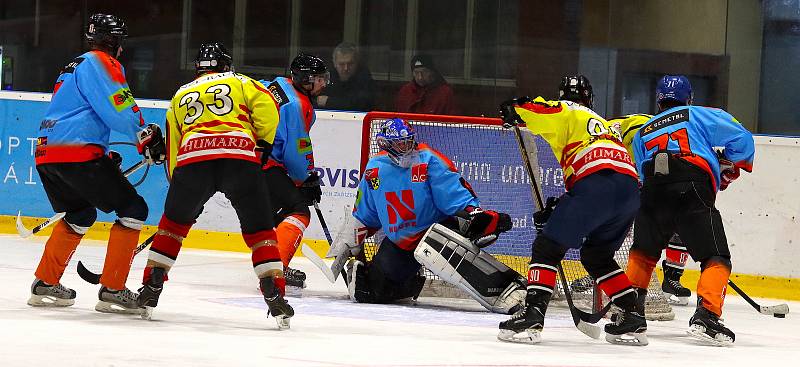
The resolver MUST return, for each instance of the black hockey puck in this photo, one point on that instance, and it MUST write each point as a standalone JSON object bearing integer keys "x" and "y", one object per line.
{"x": 780, "y": 315}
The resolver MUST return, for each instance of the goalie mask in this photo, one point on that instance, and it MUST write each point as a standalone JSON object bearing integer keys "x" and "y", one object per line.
{"x": 397, "y": 138}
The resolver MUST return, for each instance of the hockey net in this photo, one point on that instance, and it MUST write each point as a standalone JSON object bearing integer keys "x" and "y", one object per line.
{"x": 489, "y": 157}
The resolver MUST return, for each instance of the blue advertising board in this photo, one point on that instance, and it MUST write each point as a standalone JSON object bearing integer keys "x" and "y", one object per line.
{"x": 20, "y": 186}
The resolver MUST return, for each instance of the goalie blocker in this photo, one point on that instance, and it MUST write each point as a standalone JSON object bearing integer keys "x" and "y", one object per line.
{"x": 457, "y": 260}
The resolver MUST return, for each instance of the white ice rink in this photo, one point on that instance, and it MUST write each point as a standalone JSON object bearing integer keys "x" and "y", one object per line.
{"x": 211, "y": 314}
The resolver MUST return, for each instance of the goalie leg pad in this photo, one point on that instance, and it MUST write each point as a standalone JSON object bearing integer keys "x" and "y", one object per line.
{"x": 456, "y": 260}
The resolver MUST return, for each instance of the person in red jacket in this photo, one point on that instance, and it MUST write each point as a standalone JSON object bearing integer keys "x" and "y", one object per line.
{"x": 427, "y": 92}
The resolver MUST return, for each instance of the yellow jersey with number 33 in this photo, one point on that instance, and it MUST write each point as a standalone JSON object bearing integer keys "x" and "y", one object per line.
{"x": 219, "y": 115}
{"x": 582, "y": 141}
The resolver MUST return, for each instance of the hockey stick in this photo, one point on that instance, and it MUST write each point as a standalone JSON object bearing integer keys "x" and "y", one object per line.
{"x": 93, "y": 278}
{"x": 25, "y": 233}
{"x": 778, "y": 311}
{"x": 583, "y": 321}
{"x": 338, "y": 264}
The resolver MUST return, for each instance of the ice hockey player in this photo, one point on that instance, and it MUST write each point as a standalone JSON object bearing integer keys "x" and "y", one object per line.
{"x": 293, "y": 183}
{"x": 91, "y": 98}
{"x": 681, "y": 174}
{"x": 578, "y": 89}
{"x": 406, "y": 191}
{"x": 594, "y": 214}
{"x": 215, "y": 125}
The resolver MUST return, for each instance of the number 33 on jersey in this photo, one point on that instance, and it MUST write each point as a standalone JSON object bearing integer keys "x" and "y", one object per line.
{"x": 219, "y": 115}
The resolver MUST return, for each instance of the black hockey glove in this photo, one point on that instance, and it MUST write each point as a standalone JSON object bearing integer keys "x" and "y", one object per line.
{"x": 115, "y": 157}
{"x": 541, "y": 217}
{"x": 486, "y": 225}
{"x": 266, "y": 150}
{"x": 310, "y": 188}
{"x": 509, "y": 115}
{"x": 151, "y": 144}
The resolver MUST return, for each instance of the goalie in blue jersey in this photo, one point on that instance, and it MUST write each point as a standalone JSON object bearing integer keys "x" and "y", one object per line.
{"x": 422, "y": 212}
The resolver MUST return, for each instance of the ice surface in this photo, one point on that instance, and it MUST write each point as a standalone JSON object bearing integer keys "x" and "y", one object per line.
{"x": 211, "y": 314}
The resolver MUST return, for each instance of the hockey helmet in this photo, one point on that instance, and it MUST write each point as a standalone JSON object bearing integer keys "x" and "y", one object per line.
{"x": 398, "y": 139}
{"x": 306, "y": 67}
{"x": 576, "y": 88}
{"x": 212, "y": 57}
{"x": 106, "y": 31}
{"x": 674, "y": 88}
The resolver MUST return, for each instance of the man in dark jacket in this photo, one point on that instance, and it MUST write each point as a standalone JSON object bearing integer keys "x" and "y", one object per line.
{"x": 427, "y": 92}
{"x": 352, "y": 87}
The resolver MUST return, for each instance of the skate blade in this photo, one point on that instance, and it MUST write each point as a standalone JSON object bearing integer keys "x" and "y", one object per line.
{"x": 677, "y": 301}
{"x": 294, "y": 292}
{"x": 283, "y": 322}
{"x": 108, "y": 307}
{"x": 530, "y": 336}
{"x": 147, "y": 313}
{"x": 699, "y": 333}
{"x": 49, "y": 301}
{"x": 636, "y": 339}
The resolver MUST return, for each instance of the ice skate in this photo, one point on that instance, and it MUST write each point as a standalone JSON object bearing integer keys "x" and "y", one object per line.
{"x": 149, "y": 292}
{"x": 678, "y": 294}
{"x": 45, "y": 295}
{"x": 117, "y": 301}
{"x": 525, "y": 326}
{"x": 294, "y": 278}
{"x": 278, "y": 307}
{"x": 707, "y": 327}
{"x": 629, "y": 327}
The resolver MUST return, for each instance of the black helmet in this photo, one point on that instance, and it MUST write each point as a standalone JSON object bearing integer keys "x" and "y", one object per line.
{"x": 212, "y": 57}
{"x": 576, "y": 88}
{"x": 106, "y": 31}
{"x": 304, "y": 66}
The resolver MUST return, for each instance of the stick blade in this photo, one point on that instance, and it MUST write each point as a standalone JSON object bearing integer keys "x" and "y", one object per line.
{"x": 87, "y": 275}
{"x": 318, "y": 262}
{"x": 23, "y": 232}
{"x": 593, "y": 331}
{"x": 781, "y": 309}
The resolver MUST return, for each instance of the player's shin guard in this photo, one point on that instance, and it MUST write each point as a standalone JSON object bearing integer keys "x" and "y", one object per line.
{"x": 673, "y": 265}
{"x": 629, "y": 325}
{"x": 265, "y": 255}
{"x": 289, "y": 233}
{"x": 713, "y": 283}
{"x": 493, "y": 284}
{"x": 640, "y": 268}
{"x": 166, "y": 245}
{"x": 122, "y": 242}
{"x": 57, "y": 252}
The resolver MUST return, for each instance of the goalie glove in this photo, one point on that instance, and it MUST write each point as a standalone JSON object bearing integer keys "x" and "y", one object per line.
{"x": 541, "y": 217}
{"x": 485, "y": 226}
{"x": 509, "y": 115}
{"x": 150, "y": 143}
{"x": 350, "y": 236}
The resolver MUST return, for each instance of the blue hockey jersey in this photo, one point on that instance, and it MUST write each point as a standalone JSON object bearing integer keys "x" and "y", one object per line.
{"x": 91, "y": 97}
{"x": 693, "y": 132}
{"x": 292, "y": 149}
{"x": 404, "y": 202}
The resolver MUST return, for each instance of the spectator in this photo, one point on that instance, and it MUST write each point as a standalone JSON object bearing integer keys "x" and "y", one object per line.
{"x": 427, "y": 92}
{"x": 352, "y": 87}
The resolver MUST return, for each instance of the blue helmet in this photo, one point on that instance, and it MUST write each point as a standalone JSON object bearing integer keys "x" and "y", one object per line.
{"x": 674, "y": 87}
{"x": 397, "y": 138}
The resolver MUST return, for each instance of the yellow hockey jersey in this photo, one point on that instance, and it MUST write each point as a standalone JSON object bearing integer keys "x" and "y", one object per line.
{"x": 219, "y": 115}
{"x": 627, "y": 126}
{"x": 582, "y": 141}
